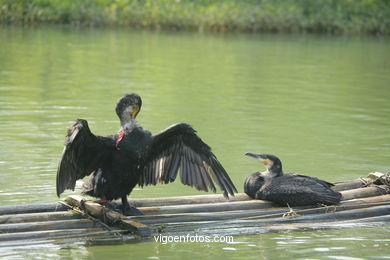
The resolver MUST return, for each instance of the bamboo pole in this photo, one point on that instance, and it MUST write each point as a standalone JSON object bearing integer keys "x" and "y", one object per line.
{"x": 365, "y": 192}
{"x": 41, "y": 223}
{"x": 208, "y": 207}
{"x": 236, "y": 205}
{"x": 164, "y": 201}
{"x": 51, "y": 234}
{"x": 39, "y": 217}
{"x": 247, "y": 204}
{"x": 94, "y": 238}
{"x": 217, "y": 198}
{"x": 354, "y": 184}
{"x": 48, "y": 225}
{"x": 376, "y": 221}
{"x": 354, "y": 215}
{"x": 373, "y": 199}
{"x": 31, "y": 208}
{"x": 379, "y": 221}
{"x": 246, "y": 214}
{"x": 108, "y": 216}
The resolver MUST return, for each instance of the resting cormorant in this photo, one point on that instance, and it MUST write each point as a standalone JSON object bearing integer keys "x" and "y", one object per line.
{"x": 287, "y": 188}
{"x": 117, "y": 163}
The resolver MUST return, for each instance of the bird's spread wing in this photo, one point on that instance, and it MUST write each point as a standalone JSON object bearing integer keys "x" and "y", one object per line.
{"x": 178, "y": 147}
{"x": 83, "y": 153}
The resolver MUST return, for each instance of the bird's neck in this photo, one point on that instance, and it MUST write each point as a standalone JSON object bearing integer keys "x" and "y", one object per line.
{"x": 128, "y": 125}
{"x": 269, "y": 173}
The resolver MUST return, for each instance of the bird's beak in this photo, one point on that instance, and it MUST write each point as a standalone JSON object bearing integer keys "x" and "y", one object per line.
{"x": 259, "y": 157}
{"x": 255, "y": 155}
{"x": 135, "y": 111}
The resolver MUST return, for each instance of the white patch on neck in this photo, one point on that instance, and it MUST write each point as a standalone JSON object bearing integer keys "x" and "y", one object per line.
{"x": 268, "y": 174}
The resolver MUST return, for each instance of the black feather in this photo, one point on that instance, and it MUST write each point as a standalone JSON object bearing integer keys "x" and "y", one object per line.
{"x": 189, "y": 156}
{"x": 83, "y": 154}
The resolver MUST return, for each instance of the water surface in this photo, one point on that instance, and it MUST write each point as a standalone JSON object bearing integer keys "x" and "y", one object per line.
{"x": 320, "y": 103}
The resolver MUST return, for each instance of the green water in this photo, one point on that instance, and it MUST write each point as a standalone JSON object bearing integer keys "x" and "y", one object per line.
{"x": 320, "y": 103}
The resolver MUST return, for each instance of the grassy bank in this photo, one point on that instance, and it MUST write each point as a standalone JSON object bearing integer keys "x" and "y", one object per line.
{"x": 326, "y": 16}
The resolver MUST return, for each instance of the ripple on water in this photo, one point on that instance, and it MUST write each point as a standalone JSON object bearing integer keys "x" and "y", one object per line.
{"x": 229, "y": 248}
{"x": 345, "y": 257}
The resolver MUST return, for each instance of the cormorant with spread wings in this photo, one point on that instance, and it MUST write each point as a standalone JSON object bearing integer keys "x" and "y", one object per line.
{"x": 117, "y": 163}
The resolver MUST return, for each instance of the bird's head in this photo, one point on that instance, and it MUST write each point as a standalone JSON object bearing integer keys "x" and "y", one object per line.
{"x": 271, "y": 162}
{"x": 128, "y": 107}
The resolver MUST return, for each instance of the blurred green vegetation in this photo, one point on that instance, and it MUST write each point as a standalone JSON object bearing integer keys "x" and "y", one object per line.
{"x": 326, "y": 16}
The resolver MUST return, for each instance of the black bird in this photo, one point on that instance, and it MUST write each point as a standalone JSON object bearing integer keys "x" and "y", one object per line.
{"x": 117, "y": 163}
{"x": 287, "y": 188}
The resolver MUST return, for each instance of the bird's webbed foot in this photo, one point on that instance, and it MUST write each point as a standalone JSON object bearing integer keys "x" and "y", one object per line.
{"x": 329, "y": 208}
{"x": 128, "y": 210}
{"x": 291, "y": 213}
{"x": 131, "y": 211}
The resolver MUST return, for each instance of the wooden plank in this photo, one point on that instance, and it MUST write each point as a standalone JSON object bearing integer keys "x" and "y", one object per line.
{"x": 379, "y": 221}
{"x": 108, "y": 216}
{"x": 40, "y": 223}
{"x": 48, "y": 225}
{"x": 208, "y": 207}
{"x": 353, "y": 215}
{"x": 365, "y": 192}
{"x": 39, "y": 217}
{"x": 214, "y": 216}
{"x": 342, "y": 215}
{"x": 252, "y": 204}
{"x": 51, "y": 234}
{"x": 164, "y": 201}
{"x": 349, "y": 185}
{"x": 354, "y": 187}
{"x": 374, "y": 199}
{"x": 246, "y": 214}
{"x": 31, "y": 208}
{"x": 376, "y": 221}
{"x": 239, "y": 205}
{"x": 92, "y": 239}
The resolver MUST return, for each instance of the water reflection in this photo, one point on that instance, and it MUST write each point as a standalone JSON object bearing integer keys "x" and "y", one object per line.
{"x": 359, "y": 243}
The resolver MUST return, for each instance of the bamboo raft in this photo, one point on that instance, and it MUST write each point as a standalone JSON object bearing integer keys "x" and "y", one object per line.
{"x": 365, "y": 203}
